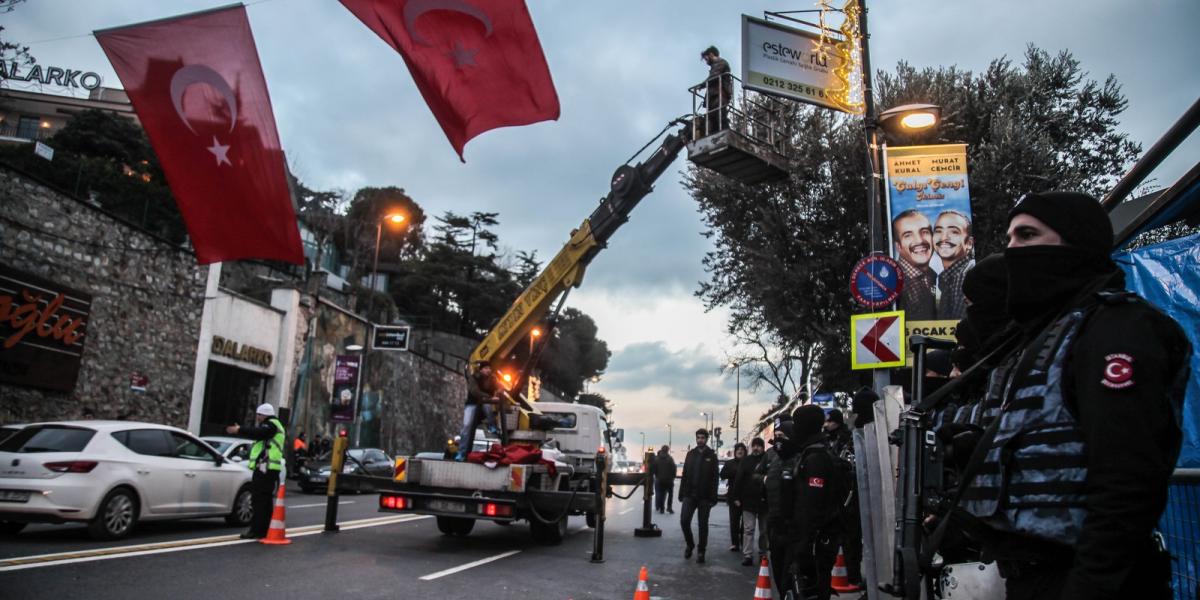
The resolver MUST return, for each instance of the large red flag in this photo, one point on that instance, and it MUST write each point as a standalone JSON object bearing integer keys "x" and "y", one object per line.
{"x": 478, "y": 63}
{"x": 198, "y": 89}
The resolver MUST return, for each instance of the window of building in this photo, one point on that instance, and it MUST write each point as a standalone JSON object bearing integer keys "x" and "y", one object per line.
{"x": 29, "y": 128}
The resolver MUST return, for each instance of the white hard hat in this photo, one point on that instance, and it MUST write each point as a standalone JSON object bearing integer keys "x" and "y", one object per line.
{"x": 266, "y": 409}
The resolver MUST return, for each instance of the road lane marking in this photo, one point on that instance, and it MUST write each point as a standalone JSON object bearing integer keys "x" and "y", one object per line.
{"x": 63, "y": 558}
{"x": 319, "y": 504}
{"x": 470, "y": 565}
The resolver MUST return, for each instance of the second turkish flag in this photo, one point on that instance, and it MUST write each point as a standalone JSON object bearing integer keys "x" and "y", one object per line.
{"x": 198, "y": 89}
{"x": 478, "y": 63}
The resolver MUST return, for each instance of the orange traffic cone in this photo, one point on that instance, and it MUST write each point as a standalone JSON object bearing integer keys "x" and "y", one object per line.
{"x": 277, "y": 534}
{"x": 839, "y": 582}
{"x": 762, "y": 589}
{"x": 643, "y": 590}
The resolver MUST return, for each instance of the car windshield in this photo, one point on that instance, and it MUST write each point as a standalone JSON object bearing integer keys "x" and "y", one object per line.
{"x": 48, "y": 438}
{"x": 218, "y": 445}
{"x": 356, "y": 453}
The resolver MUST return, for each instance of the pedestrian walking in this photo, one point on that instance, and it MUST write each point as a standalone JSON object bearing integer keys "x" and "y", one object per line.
{"x": 728, "y": 473}
{"x": 747, "y": 493}
{"x": 1089, "y": 431}
{"x": 698, "y": 493}
{"x": 266, "y": 463}
{"x": 299, "y": 454}
{"x": 664, "y": 479}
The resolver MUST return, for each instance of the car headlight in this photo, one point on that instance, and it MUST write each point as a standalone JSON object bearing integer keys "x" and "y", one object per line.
{"x": 349, "y": 468}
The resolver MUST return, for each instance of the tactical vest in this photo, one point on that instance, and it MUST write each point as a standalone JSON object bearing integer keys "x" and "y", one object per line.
{"x": 274, "y": 448}
{"x": 779, "y": 485}
{"x": 1033, "y": 478}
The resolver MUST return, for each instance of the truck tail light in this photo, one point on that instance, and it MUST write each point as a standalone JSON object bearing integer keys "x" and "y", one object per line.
{"x": 394, "y": 502}
{"x": 492, "y": 509}
{"x": 72, "y": 466}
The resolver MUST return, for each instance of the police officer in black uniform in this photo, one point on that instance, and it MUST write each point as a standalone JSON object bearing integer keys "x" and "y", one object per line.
{"x": 805, "y": 489}
{"x": 1074, "y": 478}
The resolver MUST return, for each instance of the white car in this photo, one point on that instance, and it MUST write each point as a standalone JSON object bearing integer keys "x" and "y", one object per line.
{"x": 232, "y": 448}
{"x": 112, "y": 474}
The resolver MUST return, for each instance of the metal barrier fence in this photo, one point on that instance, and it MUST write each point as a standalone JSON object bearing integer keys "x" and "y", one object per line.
{"x": 1180, "y": 526}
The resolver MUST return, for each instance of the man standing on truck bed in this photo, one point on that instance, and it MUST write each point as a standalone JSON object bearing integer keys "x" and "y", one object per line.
{"x": 698, "y": 492}
{"x": 481, "y": 390}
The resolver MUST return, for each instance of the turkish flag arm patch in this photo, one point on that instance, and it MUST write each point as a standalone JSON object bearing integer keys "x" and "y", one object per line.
{"x": 1118, "y": 371}
{"x": 817, "y": 482}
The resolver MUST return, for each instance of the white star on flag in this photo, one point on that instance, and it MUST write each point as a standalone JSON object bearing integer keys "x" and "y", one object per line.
{"x": 220, "y": 152}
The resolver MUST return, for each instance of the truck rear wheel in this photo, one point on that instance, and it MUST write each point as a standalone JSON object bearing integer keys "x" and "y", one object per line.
{"x": 455, "y": 526}
{"x": 591, "y": 519}
{"x": 551, "y": 534}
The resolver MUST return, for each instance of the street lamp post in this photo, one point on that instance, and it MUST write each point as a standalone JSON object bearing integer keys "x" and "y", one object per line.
{"x": 643, "y": 443}
{"x": 737, "y": 406}
{"x": 668, "y": 435}
{"x": 396, "y": 219}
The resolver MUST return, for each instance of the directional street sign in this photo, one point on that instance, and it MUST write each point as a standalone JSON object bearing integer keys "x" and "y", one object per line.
{"x": 876, "y": 281}
{"x": 877, "y": 340}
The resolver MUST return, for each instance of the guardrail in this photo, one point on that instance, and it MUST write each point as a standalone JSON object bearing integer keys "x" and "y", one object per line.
{"x": 1180, "y": 527}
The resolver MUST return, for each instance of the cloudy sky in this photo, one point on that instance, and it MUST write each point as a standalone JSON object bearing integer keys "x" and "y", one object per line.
{"x": 349, "y": 115}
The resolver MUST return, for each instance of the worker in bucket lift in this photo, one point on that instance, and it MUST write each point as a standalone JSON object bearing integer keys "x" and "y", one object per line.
{"x": 481, "y": 393}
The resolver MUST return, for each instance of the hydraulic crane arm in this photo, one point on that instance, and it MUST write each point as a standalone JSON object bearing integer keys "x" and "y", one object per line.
{"x": 629, "y": 185}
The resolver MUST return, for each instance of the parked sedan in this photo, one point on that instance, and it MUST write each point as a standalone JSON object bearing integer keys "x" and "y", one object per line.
{"x": 113, "y": 474}
{"x": 233, "y": 449}
{"x": 314, "y": 475}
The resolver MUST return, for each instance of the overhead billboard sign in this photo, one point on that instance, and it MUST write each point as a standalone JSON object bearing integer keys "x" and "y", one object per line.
{"x": 797, "y": 64}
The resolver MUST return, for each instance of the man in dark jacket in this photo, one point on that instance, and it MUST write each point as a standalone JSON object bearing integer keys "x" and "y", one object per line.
{"x": 818, "y": 489}
{"x": 1089, "y": 431}
{"x": 747, "y": 494}
{"x": 664, "y": 479}
{"x": 481, "y": 391}
{"x": 718, "y": 91}
{"x": 698, "y": 492}
{"x": 728, "y": 473}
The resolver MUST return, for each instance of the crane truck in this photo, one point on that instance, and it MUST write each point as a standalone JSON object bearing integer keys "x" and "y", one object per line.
{"x": 575, "y": 436}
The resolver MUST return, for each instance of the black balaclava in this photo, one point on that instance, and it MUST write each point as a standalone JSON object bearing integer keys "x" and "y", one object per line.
{"x": 1041, "y": 279}
{"x": 986, "y": 287}
{"x": 809, "y": 423}
{"x": 863, "y": 406}
{"x": 788, "y": 447}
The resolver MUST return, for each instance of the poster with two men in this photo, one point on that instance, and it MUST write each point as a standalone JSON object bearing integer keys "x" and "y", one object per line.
{"x": 929, "y": 208}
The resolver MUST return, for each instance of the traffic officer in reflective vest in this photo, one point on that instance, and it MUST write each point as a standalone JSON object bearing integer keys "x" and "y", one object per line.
{"x": 1074, "y": 477}
{"x": 266, "y": 460}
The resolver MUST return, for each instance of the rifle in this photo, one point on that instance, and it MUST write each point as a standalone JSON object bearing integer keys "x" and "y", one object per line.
{"x": 921, "y": 482}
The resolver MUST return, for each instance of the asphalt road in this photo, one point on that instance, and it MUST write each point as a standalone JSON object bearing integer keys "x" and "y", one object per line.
{"x": 375, "y": 556}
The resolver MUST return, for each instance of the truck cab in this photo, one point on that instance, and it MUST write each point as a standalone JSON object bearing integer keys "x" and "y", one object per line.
{"x": 583, "y": 430}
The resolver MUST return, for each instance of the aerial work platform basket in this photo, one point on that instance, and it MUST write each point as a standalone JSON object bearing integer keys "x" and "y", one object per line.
{"x": 740, "y": 139}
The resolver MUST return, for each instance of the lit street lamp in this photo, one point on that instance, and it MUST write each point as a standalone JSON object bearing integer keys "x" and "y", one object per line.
{"x": 395, "y": 219}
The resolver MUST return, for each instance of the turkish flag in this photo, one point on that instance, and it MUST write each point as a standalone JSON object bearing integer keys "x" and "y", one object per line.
{"x": 198, "y": 89}
{"x": 478, "y": 63}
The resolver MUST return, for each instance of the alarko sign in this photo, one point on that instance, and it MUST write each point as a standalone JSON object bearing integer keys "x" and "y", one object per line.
{"x": 43, "y": 326}
{"x": 16, "y": 71}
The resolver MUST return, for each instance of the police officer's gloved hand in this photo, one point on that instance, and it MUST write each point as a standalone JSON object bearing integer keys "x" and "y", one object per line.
{"x": 959, "y": 440}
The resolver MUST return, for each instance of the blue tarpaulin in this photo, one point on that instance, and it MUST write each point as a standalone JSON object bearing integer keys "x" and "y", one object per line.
{"x": 1168, "y": 275}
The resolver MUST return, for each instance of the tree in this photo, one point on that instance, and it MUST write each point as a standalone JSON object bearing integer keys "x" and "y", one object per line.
{"x": 108, "y": 159}
{"x": 367, "y": 210}
{"x": 783, "y": 251}
{"x": 573, "y": 353}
